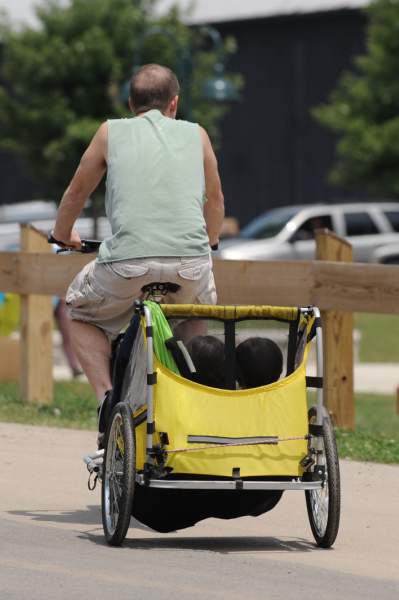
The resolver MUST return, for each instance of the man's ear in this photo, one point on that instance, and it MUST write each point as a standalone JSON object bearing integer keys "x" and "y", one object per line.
{"x": 131, "y": 105}
{"x": 173, "y": 106}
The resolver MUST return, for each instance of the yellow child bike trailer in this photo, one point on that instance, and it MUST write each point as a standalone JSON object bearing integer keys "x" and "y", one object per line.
{"x": 171, "y": 439}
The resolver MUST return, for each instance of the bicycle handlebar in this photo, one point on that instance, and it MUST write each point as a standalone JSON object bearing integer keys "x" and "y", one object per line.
{"x": 87, "y": 246}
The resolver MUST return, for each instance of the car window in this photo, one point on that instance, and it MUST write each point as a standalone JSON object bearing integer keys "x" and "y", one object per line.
{"x": 269, "y": 224}
{"x": 308, "y": 227}
{"x": 359, "y": 223}
{"x": 393, "y": 218}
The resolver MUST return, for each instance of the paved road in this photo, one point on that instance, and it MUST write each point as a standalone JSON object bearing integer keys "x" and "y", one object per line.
{"x": 51, "y": 543}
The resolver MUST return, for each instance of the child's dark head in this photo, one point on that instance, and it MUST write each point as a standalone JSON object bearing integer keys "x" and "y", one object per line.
{"x": 259, "y": 362}
{"x": 207, "y": 354}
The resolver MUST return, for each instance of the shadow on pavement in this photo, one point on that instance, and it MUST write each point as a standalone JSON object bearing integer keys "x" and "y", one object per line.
{"x": 90, "y": 516}
{"x": 221, "y": 545}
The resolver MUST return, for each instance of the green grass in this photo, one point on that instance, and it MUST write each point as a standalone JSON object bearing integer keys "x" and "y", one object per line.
{"x": 366, "y": 447}
{"x": 380, "y": 337}
{"x": 376, "y": 437}
{"x": 74, "y": 406}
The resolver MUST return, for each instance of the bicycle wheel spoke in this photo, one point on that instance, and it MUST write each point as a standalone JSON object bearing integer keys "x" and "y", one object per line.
{"x": 118, "y": 486}
{"x": 319, "y": 500}
{"x": 115, "y": 496}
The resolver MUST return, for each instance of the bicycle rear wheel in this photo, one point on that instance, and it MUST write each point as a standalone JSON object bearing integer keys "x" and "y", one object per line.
{"x": 324, "y": 505}
{"x": 118, "y": 479}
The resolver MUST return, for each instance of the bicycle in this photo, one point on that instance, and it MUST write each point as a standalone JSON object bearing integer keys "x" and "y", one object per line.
{"x": 176, "y": 434}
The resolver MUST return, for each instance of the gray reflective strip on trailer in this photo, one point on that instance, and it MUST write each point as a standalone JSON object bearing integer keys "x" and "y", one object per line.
{"x": 237, "y": 442}
{"x": 210, "y": 439}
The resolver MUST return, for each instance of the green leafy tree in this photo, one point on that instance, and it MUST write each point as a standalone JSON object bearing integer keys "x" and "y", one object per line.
{"x": 364, "y": 109}
{"x": 60, "y": 80}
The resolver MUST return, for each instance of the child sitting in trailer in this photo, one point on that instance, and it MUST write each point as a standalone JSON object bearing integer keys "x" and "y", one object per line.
{"x": 207, "y": 354}
{"x": 259, "y": 362}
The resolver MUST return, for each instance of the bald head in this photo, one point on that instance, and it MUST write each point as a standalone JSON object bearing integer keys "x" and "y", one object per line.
{"x": 153, "y": 86}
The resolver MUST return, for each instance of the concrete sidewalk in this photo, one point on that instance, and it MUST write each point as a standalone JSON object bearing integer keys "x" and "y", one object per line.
{"x": 381, "y": 378}
{"x": 377, "y": 378}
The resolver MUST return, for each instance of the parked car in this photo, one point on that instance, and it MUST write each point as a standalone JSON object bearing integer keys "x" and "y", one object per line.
{"x": 287, "y": 233}
{"x": 387, "y": 255}
{"x": 10, "y": 232}
{"x": 25, "y": 212}
{"x": 41, "y": 214}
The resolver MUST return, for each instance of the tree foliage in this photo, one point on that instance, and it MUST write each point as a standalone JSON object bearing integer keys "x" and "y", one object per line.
{"x": 60, "y": 80}
{"x": 364, "y": 108}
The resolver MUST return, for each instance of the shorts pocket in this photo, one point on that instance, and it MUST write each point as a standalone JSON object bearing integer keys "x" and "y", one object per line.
{"x": 194, "y": 269}
{"x": 127, "y": 270}
{"x": 81, "y": 292}
{"x": 84, "y": 298}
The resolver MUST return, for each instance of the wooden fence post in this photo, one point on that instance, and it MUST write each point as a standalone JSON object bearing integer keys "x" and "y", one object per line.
{"x": 338, "y": 340}
{"x": 36, "y": 332}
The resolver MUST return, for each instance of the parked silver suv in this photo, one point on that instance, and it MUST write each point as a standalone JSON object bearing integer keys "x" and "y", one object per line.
{"x": 42, "y": 215}
{"x": 287, "y": 233}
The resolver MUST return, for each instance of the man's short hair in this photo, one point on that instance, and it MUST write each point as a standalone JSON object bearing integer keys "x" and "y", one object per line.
{"x": 153, "y": 86}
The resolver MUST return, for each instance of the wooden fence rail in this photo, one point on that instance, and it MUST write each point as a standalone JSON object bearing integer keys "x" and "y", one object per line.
{"x": 337, "y": 288}
{"x": 330, "y": 285}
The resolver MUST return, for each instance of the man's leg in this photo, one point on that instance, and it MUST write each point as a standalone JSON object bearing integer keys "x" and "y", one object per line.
{"x": 93, "y": 351}
{"x": 64, "y": 326}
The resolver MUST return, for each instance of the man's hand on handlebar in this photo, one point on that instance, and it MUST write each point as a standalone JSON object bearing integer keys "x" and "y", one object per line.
{"x": 74, "y": 242}
{"x": 86, "y": 246}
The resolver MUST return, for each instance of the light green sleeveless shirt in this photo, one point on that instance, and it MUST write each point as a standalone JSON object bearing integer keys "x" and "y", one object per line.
{"x": 155, "y": 189}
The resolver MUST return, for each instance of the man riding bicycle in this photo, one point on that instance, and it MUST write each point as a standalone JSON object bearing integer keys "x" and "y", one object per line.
{"x": 165, "y": 205}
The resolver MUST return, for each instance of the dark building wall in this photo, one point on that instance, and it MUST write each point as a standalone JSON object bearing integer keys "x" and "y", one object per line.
{"x": 16, "y": 180}
{"x": 15, "y": 183}
{"x": 273, "y": 153}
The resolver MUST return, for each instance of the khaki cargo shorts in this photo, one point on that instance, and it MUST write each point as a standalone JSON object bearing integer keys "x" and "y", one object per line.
{"x": 102, "y": 294}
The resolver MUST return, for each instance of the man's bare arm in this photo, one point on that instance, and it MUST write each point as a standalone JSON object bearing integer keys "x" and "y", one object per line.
{"x": 85, "y": 180}
{"x": 214, "y": 206}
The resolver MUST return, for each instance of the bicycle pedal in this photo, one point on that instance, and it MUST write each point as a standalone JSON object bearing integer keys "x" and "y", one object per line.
{"x": 94, "y": 461}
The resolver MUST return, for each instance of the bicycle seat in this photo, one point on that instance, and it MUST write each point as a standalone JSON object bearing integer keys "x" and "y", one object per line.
{"x": 157, "y": 290}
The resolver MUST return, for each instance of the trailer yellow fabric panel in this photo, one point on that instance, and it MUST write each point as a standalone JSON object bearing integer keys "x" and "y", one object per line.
{"x": 184, "y": 408}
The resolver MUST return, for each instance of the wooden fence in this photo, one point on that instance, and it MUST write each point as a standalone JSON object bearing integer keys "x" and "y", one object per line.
{"x": 334, "y": 284}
